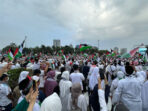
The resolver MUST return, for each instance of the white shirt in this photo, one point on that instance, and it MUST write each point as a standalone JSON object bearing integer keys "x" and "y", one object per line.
{"x": 77, "y": 77}
{"x": 4, "y": 92}
{"x": 102, "y": 102}
{"x": 42, "y": 81}
{"x": 129, "y": 92}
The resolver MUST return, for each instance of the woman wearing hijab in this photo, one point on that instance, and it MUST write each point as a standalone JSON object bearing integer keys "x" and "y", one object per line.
{"x": 77, "y": 101}
{"x": 120, "y": 75}
{"x": 94, "y": 78}
{"x": 65, "y": 86}
{"x": 52, "y": 103}
{"x": 50, "y": 83}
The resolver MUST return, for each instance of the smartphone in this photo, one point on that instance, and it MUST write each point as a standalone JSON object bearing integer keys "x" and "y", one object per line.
{"x": 34, "y": 85}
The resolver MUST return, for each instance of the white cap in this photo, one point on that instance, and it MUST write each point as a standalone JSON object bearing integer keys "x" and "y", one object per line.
{"x": 23, "y": 75}
{"x": 35, "y": 78}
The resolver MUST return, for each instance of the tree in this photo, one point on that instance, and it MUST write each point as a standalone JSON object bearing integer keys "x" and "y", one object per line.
{"x": 68, "y": 49}
{"x": 27, "y": 50}
{"x": 12, "y": 45}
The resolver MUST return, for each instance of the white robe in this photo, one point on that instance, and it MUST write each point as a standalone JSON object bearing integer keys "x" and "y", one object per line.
{"x": 82, "y": 103}
{"x": 129, "y": 92}
{"x": 52, "y": 103}
{"x": 64, "y": 92}
{"x": 102, "y": 102}
{"x": 94, "y": 78}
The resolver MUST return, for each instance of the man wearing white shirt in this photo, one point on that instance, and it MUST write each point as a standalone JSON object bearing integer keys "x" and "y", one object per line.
{"x": 76, "y": 76}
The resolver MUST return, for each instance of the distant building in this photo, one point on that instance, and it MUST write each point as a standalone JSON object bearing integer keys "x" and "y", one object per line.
{"x": 56, "y": 43}
{"x": 123, "y": 50}
{"x": 116, "y": 49}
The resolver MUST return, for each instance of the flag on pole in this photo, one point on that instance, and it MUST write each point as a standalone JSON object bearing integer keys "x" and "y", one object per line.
{"x": 84, "y": 47}
{"x": 112, "y": 53}
{"x": 133, "y": 52}
{"x": 125, "y": 55}
{"x": 10, "y": 54}
{"x": 18, "y": 51}
{"x": 130, "y": 54}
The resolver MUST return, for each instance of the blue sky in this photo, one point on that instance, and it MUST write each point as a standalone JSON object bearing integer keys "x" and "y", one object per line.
{"x": 121, "y": 23}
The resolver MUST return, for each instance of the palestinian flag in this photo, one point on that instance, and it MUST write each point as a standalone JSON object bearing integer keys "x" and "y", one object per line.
{"x": 18, "y": 51}
{"x": 112, "y": 53}
{"x": 130, "y": 54}
{"x": 84, "y": 47}
{"x": 133, "y": 52}
{"x": 10, "y": 54}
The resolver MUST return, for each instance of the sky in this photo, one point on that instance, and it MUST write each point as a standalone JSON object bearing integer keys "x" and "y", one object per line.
{"x": 115, "y": 23}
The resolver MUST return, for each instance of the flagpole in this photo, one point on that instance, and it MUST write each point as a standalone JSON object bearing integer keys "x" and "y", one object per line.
{"x": 25, "y": 41}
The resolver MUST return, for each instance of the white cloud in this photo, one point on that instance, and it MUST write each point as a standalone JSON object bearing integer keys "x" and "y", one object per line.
{"x": 87, "y": 19}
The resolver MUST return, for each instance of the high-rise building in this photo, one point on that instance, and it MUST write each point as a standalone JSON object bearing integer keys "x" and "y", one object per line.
{"x": 56, "y": 43}
{"x": 123, "y": 50}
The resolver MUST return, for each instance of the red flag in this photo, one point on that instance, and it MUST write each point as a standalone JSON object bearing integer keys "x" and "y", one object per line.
{"x": 16, "y": 51}
{"x": 107, "y": 53}
{"x": 133, "y": 52}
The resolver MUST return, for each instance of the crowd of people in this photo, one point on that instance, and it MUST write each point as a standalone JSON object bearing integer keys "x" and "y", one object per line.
{"x": 75, "y": 83}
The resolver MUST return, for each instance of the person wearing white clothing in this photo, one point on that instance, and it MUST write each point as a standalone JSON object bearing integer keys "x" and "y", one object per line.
{"x": 120, "y": 76}
{"x": 129, "y": 90}
{"x": 65, "y": 86}
{"x": 76, "y": 76}
{"x": 77, "y": 101}
{"x": 103, "y": 106}
{"x": 94, "y": 78}
{"x": 52, "y": 103}
{"x": 144, "y": 95}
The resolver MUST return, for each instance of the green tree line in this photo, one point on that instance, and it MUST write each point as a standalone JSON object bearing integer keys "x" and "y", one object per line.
{"x": 52, "y": 50}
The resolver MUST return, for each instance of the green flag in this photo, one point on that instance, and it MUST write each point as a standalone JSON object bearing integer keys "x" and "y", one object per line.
{"x": 83, "y": 48}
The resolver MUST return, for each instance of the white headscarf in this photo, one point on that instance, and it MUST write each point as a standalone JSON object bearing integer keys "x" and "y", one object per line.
{"x": 65, "y": 75}
{"x": 23, "y": 75}
{"x": 94, "y": 78}
{"x": 120, "y": 74}
{"x": 65, "y": 84}
{"x": 52, "y": 103}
